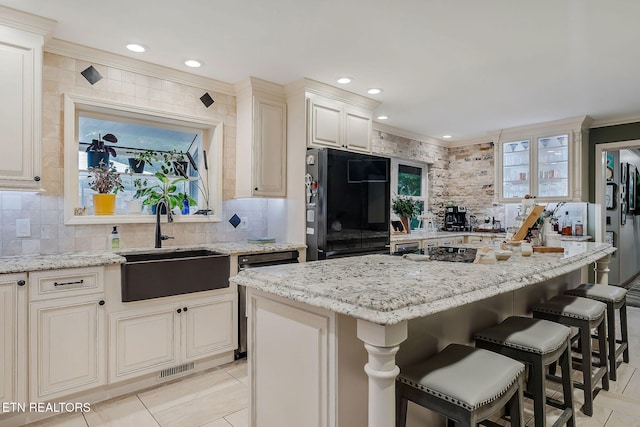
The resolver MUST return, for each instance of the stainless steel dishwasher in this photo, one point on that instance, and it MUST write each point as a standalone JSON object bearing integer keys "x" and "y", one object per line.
{"x": 254, "y": 261}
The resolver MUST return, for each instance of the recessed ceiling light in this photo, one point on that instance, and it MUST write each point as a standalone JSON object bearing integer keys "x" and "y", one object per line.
{"x": 382, "y": 117}
{"x": 446, "y": 136}
{"x": 374, "y": 91}
{"x": 192, "y": 63}
{"x": 344, "y": 80}
{"x": 138, "y": 48}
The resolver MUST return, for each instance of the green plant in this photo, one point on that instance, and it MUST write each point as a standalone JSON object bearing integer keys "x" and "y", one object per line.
{"x": 140, "y": 185}
{"x": 98, "y": 145}
{"x": 404, "y": 206}
{"x": 165, "y": 189}
{"x": 105, "y": 179}
{"x": 146, "y": 156}
{"x": 169, "y": 158}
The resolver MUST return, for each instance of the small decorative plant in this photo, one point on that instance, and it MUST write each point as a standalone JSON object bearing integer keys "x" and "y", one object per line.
{"x": 165, "y": 189}
{"x": 105, "y": 179}
{"x": 174, "y": 162}
{"x": 140, "y": 158}
{"x": 405, "y": 207}
{"x": 98, "y": 145}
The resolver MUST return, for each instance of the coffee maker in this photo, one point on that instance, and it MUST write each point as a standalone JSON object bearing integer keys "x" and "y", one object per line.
{"x": 455, "y": 218}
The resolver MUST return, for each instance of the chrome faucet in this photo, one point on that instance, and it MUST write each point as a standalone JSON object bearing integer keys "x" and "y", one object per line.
{"x": 159, "y": 236}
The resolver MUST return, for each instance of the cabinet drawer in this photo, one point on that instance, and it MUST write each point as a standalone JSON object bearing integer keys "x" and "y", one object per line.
{"x": 65, "y": 283}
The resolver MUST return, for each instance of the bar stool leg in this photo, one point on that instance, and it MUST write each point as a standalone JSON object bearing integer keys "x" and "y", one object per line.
{"x": 611, "y": 335}
{"x": 602, "y": 345}
{"x": 537, "y": 381}
{"x": 401, "y": 408}
{"x": 567, "y": 383}
{"x": 625, "y": 331}
{"x": 515, "y": 406}
{"x": 587, "y": 369}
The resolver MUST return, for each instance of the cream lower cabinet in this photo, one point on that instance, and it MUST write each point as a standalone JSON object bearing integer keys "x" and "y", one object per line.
{"x": 147, "y": 340}
{"x": 67, "y": 346}
{"x": 13, "y": 349}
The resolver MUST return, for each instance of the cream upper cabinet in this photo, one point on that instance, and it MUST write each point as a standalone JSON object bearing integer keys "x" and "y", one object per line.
{"x": 261, "y": 139}
{"x": 546, "y": 161}
{"x": 13, "y": 349}
{"x": 21, "y": 89}
{"x": 337, "y": 124}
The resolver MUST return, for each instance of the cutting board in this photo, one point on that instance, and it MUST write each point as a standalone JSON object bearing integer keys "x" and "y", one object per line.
{"x": 547, "y": 249}
{"x": 528, "y": 223}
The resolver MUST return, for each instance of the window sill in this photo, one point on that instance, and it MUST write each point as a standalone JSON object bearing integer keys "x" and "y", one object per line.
{"x": 138, "y": 219}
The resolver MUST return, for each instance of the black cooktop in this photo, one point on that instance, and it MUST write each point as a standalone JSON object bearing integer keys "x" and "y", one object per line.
{"x": 445, "y": 253}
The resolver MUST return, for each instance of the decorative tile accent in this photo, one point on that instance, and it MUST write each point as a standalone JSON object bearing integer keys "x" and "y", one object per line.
{"x": 207, "y": 100}
{"x": 235, "y": 221}
{"x": 92, "y": 75}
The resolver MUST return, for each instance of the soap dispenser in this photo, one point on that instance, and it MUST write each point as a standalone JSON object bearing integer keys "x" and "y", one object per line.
{"x": 114, "y": 238}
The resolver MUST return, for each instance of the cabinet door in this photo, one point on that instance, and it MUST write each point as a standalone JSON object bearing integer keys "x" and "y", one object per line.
{"x": 270, "y": 148}
{"x": 209, "y": 326}
{"x": 12, "y": 337}
{"x": 67, "y": 340}
{"x": 553, "y": 167}
{"x": 325, "y": 123}
{"x": 516, "y": 169}
{"x": 357, "y": 130}
{"x": 20, "y": 86}
{"x": 143, "y": 341}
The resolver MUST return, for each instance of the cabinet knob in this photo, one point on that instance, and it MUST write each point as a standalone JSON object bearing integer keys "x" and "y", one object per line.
{"x": 186, "y": 308}
{"x": 36, "y": 178}
{"x": 179, "y": 310}
{"x": 21, "y": 283}
{"x": 101, "y": 302}
{"x": 255, "y": 189}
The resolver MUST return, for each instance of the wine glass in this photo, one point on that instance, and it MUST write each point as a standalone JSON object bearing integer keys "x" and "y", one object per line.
{"x": 525, "y": 144}
{"x": 513, "y": 146}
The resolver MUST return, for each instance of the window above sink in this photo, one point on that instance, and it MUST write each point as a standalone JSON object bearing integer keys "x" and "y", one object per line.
{"x": 128, "y": 131}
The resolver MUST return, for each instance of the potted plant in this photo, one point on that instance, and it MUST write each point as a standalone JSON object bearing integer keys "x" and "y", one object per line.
{"x": 140, "y": 158}
{"x": 405, "y": 207}
{"x": 166, "y": 189}
{"x": 175, "y": 162}
{"x": 98, "y": 152}
{"x": 105, "y": 180}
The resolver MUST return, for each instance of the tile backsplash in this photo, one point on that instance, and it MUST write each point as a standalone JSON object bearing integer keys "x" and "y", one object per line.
{"x": 49, "y": 234}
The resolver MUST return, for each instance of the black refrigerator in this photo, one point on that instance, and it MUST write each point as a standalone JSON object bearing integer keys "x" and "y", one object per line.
{"x": 347, "y": 197}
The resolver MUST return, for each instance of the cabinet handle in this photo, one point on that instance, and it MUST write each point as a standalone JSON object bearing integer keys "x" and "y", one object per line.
{"x": 36, "y": 178}
{"x": 179, "y": 310}
{"x": 186, "y": 308}
{"x": 101, "y": 302}
{"x": 21, "y": 283}
{"x": 77, "y": 282}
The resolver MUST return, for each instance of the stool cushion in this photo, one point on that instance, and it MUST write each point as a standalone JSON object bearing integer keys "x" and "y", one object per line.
{"x": 524, "y": 333}
{"x": 575, "y": 307}
{"x": 465, "y": 376}
{"x": 604, "y": 293}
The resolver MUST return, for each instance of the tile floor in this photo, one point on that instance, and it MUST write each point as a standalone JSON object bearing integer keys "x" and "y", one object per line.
{"x": 218, "y": 398}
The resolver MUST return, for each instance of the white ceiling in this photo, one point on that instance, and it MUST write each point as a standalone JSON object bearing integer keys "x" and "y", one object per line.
{"x": 459, "y": 67}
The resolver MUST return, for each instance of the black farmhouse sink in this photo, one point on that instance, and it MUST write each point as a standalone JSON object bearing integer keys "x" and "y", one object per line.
{"x": 147, "y": 275}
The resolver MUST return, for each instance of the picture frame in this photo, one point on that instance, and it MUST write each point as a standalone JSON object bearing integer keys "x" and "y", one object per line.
{"x": 609, "y": 237}
{"x": 631, "y": 189}
{"x": 397, "y": 227}
{"x": 610, "y": 195}
{"x": 623, "y": 213}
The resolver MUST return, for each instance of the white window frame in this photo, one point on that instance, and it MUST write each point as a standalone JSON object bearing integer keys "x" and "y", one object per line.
{"x": 395, "y": 162}
{"x": 212, "y": 142}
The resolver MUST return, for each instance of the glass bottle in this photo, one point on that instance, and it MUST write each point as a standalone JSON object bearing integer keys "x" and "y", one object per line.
{"x": 566, "y": 225}
{"x": 579, "y": 228}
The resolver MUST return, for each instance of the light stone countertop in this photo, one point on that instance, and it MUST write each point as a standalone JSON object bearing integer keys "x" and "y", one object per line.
{"x": 420, "y": 235}
{"x": 386, "y": 289}
{"x": 25, "y": 263}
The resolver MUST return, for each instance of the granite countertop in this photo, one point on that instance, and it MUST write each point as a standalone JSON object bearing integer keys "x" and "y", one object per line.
{"x": 387, "y": 289}
{"x": 24, "y": 263}
{"x": 420, "y": 235}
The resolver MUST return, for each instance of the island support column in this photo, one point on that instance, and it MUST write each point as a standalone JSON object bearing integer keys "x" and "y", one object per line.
{"x": 382, "y": 343}
{"x": 602, "y": 270}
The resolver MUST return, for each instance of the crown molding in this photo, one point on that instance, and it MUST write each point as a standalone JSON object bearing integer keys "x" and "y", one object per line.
{"x": 475, "y": 141}
{"x": 618, "y": 120}
{"x": 331, "y": 92}
{"x": 573, "y": 123}
{"x": 381, "y": 127}
{"x": 254, "y": 85}
{"x": 27, "y": 21}
{"x": 84, "y": 53}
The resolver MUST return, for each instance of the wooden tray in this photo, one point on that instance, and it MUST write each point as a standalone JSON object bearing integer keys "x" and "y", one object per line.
{"x": 547, "y": 249}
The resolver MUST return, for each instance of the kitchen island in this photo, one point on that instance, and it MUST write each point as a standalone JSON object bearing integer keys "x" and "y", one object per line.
{"x": 307, "y": 364}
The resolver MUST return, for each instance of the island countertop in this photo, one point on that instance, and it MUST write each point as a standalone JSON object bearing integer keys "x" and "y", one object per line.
{"x": 386, "y": 290}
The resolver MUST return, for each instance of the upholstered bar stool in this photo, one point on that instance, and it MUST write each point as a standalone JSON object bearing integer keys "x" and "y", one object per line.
{"x": 584, "y": 314}
{"x": 615, "y": 298}
{"x": 538, "y": 343}
{"x": 465, "y": 384}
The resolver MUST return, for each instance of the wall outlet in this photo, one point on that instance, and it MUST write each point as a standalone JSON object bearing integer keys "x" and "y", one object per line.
{"x": 244, "y": 223}
{"x": 23, "y": 228}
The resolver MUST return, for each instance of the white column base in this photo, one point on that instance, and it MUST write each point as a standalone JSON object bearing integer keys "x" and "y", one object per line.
{"x": 382, "y": 344}
{"x": 602, "y": 270}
